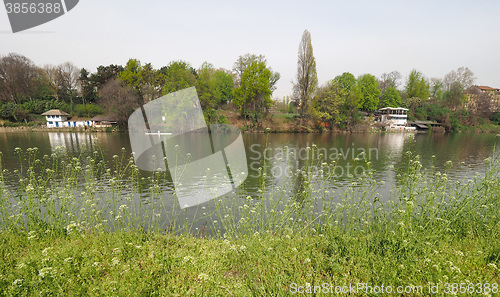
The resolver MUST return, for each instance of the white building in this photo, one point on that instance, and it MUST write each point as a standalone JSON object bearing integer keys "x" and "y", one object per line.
{"x": 395, "y": 119}
{"x": 58, "y": 119}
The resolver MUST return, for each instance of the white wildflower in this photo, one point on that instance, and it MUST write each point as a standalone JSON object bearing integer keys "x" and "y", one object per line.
{"x": 492, "y": 265}
{"x": 203, "y": 276}
{"x": 188, "y": 259}
{"x": 45, "y": 252}
{"x": 18, "y": 282}
{"x": 46, "y": 271}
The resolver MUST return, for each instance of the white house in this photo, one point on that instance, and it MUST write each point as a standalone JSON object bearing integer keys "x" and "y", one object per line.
{"x": 58, "y": 119}
{"x": 395, "y": 118}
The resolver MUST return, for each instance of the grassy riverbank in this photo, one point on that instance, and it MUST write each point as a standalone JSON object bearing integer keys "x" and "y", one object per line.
{"x": 430, "y": 231}
{"x": 136, "y": 264}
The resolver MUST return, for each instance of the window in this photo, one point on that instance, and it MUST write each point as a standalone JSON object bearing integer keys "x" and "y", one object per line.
{"x": 50, "y": 123}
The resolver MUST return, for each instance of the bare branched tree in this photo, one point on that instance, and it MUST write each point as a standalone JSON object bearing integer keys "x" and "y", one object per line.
{"x": 63, "y": 79}
{"x": 463, "y": 75}
{"x": 18, "y": 78}
{"x": 388, "y": 80}
{"x": 119, "y": 100}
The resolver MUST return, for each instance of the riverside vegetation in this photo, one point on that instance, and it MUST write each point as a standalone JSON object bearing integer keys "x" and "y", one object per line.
{"x": 243, "y": 95}
{"x": 82, "y": 226}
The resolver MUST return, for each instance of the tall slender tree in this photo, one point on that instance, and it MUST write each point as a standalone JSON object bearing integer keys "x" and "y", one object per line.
{"x": 307, "y": 78}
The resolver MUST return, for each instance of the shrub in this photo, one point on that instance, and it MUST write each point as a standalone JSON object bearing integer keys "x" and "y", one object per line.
{"x": 7, "y": 111}
{"x": 87, "y": 110}
{"x": 223, "y": 120}
{"x": 420, "y": 113}
{"x": 37, "y": 107}
{"x": 10, "y": 124}
{"x": 54, "y": 104}
{"x": 495, "y": 118}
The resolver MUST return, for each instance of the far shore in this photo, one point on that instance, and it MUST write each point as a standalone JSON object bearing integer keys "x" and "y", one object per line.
{"x": 28, "y": 129}
{"x": 45, "y": 129}
{"x": 265, "y": 128}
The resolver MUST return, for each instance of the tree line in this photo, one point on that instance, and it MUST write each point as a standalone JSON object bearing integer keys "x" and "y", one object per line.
{"x": 343, "y": 100}
{"x": 27, "y": 90}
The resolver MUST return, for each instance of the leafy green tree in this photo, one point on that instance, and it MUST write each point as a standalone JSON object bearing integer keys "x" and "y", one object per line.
{"x": 436, "y": 89}
{"x": 176, "y": 76}
{"x": 346, "y": 81}
{"x": 370, "y": 92}
{"x": 214, "y": 87}
{"x": 206, "y": 87}
{"x": 207, "y": 91}
{"x": 131, "y": 74}
{"x": 244, "y": 61}
{"x": 151, "y": 83}
{"x": 351, "y": 96}
{"x": 224, "y": 83}
{"x": 253, "y": 96}
{"x": 417, "y": 86}
{"x": 88, "y": 92}
{"x": 390, "y": 98}
{"x": 307, "y": 78}
{"x": 145, "y": 80}
{"x": 92, "y": 83}
{"x": 328, "y": 102}
{"x": 105, "y": 74}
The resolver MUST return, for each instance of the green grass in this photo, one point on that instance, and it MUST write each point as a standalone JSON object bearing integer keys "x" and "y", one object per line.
{"x": 138, "y": 264}
{"x": 430, "y": 231}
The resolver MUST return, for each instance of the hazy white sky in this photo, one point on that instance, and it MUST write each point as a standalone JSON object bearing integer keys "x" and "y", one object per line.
{"x": 374, "y": 37}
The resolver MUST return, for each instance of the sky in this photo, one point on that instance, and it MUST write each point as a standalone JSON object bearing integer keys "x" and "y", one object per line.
{"x": 354, "y": 36}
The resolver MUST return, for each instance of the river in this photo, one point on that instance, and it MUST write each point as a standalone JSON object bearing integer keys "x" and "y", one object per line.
{"x": 279, "y": 156}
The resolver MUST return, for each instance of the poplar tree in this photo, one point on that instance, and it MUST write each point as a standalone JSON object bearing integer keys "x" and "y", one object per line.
{"x": 307, "y": 79}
